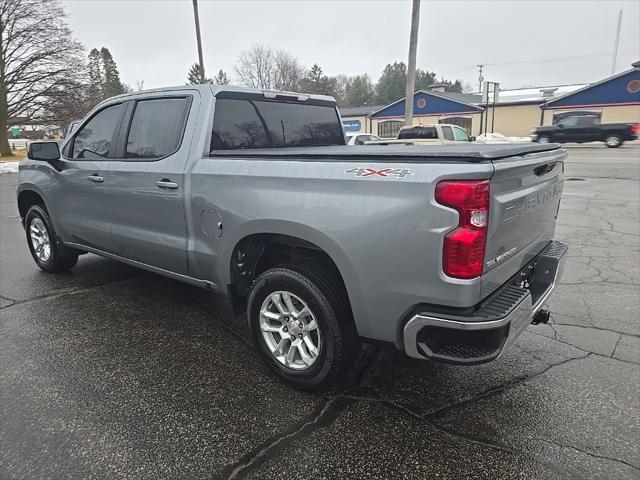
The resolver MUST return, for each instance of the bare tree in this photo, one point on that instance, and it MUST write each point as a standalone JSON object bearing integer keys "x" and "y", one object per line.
{"x": 38, "y": 56}
{"x": 264, "y": 67}
{"x": 288, "y": 72}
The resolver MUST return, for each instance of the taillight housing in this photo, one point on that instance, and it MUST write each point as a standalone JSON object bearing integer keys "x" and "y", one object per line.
{"x": 464, "y": 247}
{"x": 635, "y": 128}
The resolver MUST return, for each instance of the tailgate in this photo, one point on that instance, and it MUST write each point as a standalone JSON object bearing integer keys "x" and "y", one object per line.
{"x": 525, "y": 197}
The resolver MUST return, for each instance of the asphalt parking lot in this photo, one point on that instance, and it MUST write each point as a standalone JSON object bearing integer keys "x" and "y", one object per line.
{"x": 111, "y": 372}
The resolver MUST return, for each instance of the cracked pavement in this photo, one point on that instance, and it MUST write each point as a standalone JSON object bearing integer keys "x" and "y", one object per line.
{"x": 111, "y": 372}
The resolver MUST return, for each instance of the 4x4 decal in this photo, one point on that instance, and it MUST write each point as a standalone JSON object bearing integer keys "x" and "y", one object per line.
{"x": 384, "y": 172}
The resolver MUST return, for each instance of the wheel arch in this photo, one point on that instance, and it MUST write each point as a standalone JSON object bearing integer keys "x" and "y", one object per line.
{"x": 27, "y": 197}
{"x": 259, "y": 244}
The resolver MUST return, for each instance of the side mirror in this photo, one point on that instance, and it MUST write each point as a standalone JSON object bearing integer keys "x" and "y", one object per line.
{"x": 472, "y": 138}
{"x": 44, "y": 151}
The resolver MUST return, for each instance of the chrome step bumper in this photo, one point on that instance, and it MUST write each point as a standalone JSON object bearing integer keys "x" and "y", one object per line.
{"x": 483, "y": 335}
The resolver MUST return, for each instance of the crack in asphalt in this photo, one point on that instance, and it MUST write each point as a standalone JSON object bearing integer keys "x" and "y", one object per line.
{"x": 68, "y": 291}
{"x": 323, "y": 416}
{"x": 591, "y": 454}
{"x": 497, "y": 390}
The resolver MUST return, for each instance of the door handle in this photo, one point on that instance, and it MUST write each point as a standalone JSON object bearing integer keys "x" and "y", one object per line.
{"x": 95, "y": 178}
{"x": 166, "y": 183}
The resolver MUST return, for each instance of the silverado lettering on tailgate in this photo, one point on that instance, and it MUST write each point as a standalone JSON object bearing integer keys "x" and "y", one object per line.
{"x": 532, "y": 202}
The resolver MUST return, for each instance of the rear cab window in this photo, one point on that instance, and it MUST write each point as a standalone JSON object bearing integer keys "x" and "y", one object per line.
{"x": 425, "y": 133}
{"x": 247, "y": 121}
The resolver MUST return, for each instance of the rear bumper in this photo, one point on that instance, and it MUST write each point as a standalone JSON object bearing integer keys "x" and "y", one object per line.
{"x": 484, "y": 334}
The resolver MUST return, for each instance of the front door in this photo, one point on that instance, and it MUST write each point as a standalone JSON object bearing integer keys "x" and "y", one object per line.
{"x": 146, "y": 188}
{"x": 80, "y": 201}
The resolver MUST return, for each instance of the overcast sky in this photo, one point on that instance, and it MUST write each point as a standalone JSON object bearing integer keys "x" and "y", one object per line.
{"x": 521, "y": 43}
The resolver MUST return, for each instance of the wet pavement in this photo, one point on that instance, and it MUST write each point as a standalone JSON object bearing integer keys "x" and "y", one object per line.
{"x": 111, "y": 372}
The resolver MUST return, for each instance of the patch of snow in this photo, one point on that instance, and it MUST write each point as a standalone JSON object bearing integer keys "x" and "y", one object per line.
{"x": 499, "y": 138}
{"x": 8, "y": 167}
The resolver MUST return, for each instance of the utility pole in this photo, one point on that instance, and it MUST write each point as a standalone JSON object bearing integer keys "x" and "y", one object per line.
{"x": 411, "y": 66}
{"x": 615, "y": 45}
{"x": 198, "y": 39}
{"x": 480, "y": 77}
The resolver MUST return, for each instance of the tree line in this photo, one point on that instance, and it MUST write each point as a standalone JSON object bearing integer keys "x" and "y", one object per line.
{"x": 266, "y": 68}
{"x": 46, "y": 76}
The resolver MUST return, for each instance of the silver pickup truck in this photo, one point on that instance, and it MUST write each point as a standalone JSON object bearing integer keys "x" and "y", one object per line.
{"x": 446, "y": 252}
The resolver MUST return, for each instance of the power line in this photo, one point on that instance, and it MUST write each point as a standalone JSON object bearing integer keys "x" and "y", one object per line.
{"x": 522, "y": 62}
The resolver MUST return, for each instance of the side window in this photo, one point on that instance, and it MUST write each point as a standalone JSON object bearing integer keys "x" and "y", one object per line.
{"x": 569, "y": 122}
{"x": 96, "y": 139}
{"x": 460, "y": 135}
{"x": 156, "y": 128}
{"x": 447, "y": 133}
{"x": 360, "y": 139}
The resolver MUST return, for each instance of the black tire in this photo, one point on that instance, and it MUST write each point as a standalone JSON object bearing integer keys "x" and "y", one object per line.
{"x": 60, "y": 258}
{"x": 330, "y": 306}
{"x": 613, "y": 141}
{"x": 544, "y": 139}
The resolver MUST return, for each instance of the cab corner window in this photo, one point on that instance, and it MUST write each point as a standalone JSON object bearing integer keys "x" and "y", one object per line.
{"x": 156, "y": 128}
{"x": 95, "y": 140}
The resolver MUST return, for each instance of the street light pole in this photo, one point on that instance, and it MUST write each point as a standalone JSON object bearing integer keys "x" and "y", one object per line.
{"x": 198, "y": 39}
{"x": 411, "y": 67}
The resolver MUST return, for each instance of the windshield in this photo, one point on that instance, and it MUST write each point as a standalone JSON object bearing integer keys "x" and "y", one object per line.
{"x": 241, "y": 124}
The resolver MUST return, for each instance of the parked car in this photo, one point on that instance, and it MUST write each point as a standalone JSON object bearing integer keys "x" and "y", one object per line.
{"x": 586, "y": 128}
{"x": 447, "y": 253}
{"x": 361, "y": 138}
{"x": 436, "y": 134}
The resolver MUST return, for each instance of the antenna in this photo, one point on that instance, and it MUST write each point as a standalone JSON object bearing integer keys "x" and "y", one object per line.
{"x": 615, "y": 45}
{"x": 480, "y": 77}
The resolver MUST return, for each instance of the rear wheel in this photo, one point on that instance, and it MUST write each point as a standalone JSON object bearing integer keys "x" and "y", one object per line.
{"x": 613, "y": 141}
{"x": 301, "y": 325}
{"x": 42, "y": 241}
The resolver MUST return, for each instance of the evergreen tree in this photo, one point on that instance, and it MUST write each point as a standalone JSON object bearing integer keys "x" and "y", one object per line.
{"x": 392, "y": 82}
{"x": 221, "y": 78}
{"x": 391, "y": 85}
{"x": 360, "y": 91}
{"x": 112, "y": 84}
{"x": 194, "y": 77}
{"x": 95, "y": 90}
{"x": 316, "y": 82}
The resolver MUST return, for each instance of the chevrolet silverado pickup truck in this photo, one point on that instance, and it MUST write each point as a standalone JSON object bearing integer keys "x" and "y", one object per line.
{"x": 586, "y": 128}
{"x": 445, "y": 252}
{"x": 436, "y": 134}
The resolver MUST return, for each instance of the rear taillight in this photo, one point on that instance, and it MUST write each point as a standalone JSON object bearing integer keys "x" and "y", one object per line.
{"x": 635, "y": 128}
{"x": 464, "y": 247}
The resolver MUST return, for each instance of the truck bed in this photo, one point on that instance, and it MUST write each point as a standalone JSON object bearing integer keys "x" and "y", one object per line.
{"x": 404, "y": 153}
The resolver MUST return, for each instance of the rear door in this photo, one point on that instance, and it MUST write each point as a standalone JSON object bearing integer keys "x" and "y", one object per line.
{"x": 525, "y": 197}
{"x": 80, "y": 200}
{"x": 146, "y": 187}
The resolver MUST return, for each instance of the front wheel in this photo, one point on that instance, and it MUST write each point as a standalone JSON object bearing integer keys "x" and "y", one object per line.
{"x": 41, "y": 238}
{"x": 543, "y": 139}
{"x": 613, "y": 141}
{"x": 301, "y": 325}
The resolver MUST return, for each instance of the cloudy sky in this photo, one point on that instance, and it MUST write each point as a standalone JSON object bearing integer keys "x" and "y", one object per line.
{"x": 521, "y": 43}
